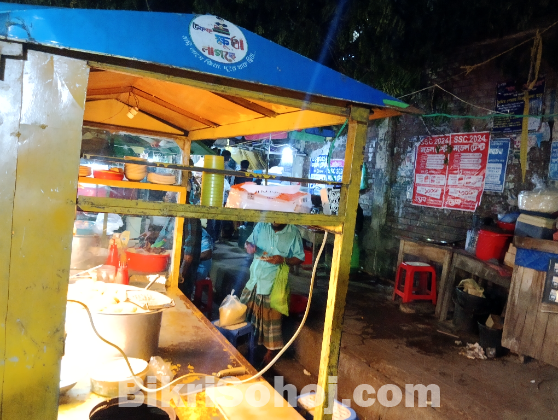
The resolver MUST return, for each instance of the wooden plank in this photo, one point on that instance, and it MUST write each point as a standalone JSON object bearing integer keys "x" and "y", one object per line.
{"x": 519, "y": 313}
{"x": 480, "y": 268}
{"x": 443, "y": 282}
{"x": 548, "y": 353}
{"x": 43, "y": 214}
{"x": 10, "y": 108}
{"x": 143, "y": 208}
{"x": 532, "y": 296}
{"x": 340, "y": 267}
{"x": 536, "y": 244}
{"x": 423, "y": 250}
{"x": 290, "y": 121}
{"x": 131, "y": 184}
{"x": 508, "y": 335}
{"x": 446, "y": 290}
{"x": 541, "y": 321}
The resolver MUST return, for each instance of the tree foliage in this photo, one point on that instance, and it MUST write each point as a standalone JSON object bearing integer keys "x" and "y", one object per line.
{"x": 385, "y": 43}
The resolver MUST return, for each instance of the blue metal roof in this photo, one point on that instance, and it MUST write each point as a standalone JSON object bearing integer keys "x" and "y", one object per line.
{"x": 176, "y": 40}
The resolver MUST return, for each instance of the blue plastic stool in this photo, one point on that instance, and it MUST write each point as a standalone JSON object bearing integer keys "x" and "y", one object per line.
{"x": 233, "y": 335}
{"x": 305, "y": 406}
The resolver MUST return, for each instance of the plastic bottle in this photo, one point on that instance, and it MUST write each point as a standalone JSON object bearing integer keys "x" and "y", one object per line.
{"x": 112, "y": 258}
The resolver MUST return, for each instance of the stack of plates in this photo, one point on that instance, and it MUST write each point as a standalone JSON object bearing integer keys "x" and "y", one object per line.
{"x": 135, "y": 172}
{"x": 161, "y": 179}
{"x": 84, "y": 170}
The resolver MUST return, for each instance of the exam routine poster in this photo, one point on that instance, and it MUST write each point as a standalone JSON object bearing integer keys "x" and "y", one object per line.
{"x": 450, "y": 171}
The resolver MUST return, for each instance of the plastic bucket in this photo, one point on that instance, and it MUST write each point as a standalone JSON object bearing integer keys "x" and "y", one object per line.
{"x": 492, "y": 245}
{"x": 490, "y": 338}
{"x": 469, "y": 311}
{"x": 212, "y": 184}
{"x": 147, "y": 263}
{"x": 297, "y": 305}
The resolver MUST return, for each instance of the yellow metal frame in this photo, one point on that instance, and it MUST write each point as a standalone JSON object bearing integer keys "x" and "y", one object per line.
{"x": 29, "y": 233}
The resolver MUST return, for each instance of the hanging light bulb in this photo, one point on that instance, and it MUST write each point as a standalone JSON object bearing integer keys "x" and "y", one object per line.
{"x": 132, "y": 112}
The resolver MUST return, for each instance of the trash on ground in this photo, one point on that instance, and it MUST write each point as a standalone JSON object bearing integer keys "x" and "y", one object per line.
{"x": 473, "y": 351}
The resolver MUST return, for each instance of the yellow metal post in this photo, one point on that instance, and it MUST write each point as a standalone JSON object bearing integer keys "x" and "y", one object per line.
{"x": 340, "y": 266}
{"x": 179, "y": 224}
{"x": 47, "y": 144}
{"x": 10, "y": 108}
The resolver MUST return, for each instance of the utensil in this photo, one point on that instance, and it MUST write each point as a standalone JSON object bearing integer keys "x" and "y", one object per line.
{"x": 86, "y": 271}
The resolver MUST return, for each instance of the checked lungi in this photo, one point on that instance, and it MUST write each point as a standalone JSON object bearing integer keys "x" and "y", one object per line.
{"x": 266, "y": 321}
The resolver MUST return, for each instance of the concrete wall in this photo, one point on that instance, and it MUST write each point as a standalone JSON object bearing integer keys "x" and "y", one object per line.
{"x": 390, "y": 150}
{"x": 391, "y": 180}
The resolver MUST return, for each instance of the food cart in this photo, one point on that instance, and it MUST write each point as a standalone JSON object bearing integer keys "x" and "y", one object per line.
{"x": 188, "y": 78}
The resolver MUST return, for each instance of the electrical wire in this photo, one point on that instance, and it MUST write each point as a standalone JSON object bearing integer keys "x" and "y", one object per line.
{"x": 486, "y": 117}
{"x": 256, "y": 376}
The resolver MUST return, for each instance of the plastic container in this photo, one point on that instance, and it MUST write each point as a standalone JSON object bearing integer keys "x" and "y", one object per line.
{"x": 535, "y": 227}
{"x": 469, "y": 311}
{"x": 113, "y": 176}
{"x": 307, "y": 257}
{"x": 106, "y": 273}
{"x": 492, "y": 245}
{"x": 212, "y": 185}
{"x": 490, "y": 338}
{"x": 508, "y": 227}
{"x": 147, "y": 263}
{"x": 297, "y": 305}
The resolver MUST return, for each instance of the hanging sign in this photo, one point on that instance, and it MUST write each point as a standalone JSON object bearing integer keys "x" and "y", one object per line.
{"x": 450, "y": 171}
{"x": 497, "y": 165}
{"x": 553, "y": 167}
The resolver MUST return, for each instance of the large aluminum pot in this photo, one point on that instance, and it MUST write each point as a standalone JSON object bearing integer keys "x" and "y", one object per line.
{"x": 86, "y": 252}
{"x": 136, "y": 334}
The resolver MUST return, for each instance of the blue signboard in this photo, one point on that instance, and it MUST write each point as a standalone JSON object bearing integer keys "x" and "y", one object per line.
{"x": 553, "y": 167}
{"x": 497, "y": 165}
{"x": 319, "y": 169}
{"x": 510, "y": 99}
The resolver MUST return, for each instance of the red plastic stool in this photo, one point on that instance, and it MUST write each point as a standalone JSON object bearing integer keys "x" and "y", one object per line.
{"x": 408, "y": 290}
{"x": 200, "y": 286}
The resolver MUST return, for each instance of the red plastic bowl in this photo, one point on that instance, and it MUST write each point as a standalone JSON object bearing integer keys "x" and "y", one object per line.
{"x": 113, "y": 176}
{"x": 509, "y": 227}
{"x": 147, "y": 263}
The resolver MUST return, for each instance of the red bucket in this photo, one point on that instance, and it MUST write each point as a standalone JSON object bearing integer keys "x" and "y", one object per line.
{"x": 147, "y": 263}
{"x": 298, "y": 304}
{"x": 492, "y": 245}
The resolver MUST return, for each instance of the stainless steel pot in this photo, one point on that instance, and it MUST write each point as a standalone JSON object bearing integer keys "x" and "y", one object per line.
{"x": 136, "y": 334}
{"x": 85, "y": 250}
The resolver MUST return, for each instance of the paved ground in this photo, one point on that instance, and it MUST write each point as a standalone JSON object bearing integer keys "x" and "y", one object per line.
{"x": 383, "y": 345}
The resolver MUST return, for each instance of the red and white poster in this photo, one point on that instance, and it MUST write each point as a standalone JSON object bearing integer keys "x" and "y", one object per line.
{"x": 431, "y": 171}
{"x": 454, "y": 164}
